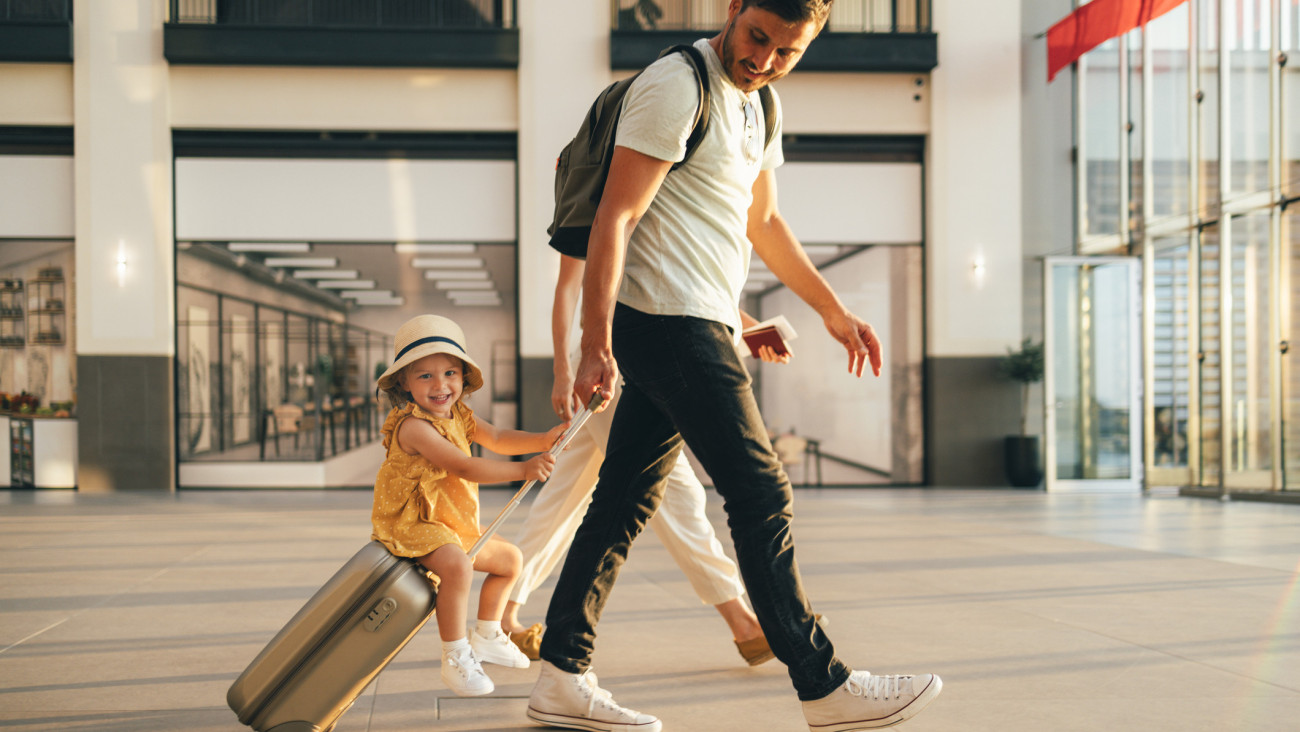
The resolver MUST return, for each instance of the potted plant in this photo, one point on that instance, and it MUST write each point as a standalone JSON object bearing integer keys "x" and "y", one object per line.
{"x": 1021, "y": 453}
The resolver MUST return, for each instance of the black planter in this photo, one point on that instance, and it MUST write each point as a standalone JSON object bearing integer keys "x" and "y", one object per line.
{"x": 1023, "y": 460}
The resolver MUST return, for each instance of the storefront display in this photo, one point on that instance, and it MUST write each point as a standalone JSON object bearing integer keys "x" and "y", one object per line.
{"x": 38, "y": 365}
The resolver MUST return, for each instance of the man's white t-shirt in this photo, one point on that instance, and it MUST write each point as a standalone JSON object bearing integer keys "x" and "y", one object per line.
{"x": 689, "y": 254}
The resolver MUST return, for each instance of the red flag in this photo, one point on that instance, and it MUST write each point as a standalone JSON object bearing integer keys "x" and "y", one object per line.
{"x": 1093, "y": 24}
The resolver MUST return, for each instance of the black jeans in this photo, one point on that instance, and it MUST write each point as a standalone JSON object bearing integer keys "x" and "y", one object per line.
{"x": 684, "y": 380}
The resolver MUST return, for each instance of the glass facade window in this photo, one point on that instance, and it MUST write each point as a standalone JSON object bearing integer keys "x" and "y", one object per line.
{"x": 1169, "y": 113}
{"x": 1134, "y": 135}
{"x": 1289, "y": 24}
{"x": 1247, "y": 103}
{"x": 1251, "y": 431}
{"x": 1172, "y": 357}
{"x": 1209, "y": 356}
{"x": 1215, "y": 131}
{"x": 1290, "y": 310}
{"x": 1101, "y": 137}
{"x": 1208, "y": 107}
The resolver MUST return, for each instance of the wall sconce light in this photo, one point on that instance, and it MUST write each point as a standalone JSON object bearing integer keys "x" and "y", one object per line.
{"x": 120, "y": 261}
{"x": 978, "y": 269}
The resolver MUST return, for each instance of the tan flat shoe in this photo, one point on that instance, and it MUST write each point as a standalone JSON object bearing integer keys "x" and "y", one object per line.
{"x": 755, "y": 651}
{"x": 530, "y": 641}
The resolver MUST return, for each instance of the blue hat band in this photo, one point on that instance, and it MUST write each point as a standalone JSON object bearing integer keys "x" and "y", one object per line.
{"x": 422, "y": 341}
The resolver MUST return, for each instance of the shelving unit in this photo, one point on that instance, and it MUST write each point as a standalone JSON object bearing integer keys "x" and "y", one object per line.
{"x": 13, "y": 321}
{"x": 22, "y": 473}
{"x": 42, "y": 452}
{"x": 47, "y": 316}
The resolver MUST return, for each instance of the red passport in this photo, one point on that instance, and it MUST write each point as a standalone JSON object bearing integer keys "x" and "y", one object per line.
{"x": 775, "y": 332}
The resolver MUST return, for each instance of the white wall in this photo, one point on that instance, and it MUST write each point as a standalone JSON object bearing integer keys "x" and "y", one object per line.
{"x": 344, "y": 200}
{"x": 853, "y": 103}
{"x": 36, "y": 196}
{"x": 224, "y": 97}
{"x": 852, "y": 203}
{"x": 974, "y": 179}
{"x": 36, "y": 94}
{"x": 123, "y": 188}
{"x": 564, "y": 63}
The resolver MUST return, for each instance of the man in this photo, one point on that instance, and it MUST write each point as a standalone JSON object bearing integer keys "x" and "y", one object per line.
{"x": 667, "y": 258}
{"x": 680, "y": 523}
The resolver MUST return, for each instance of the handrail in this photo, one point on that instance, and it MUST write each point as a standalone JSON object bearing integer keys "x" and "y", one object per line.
{"x": 335, "y": 14}
{"x": 847, "y": 16}
{"x": 18, "y": 11}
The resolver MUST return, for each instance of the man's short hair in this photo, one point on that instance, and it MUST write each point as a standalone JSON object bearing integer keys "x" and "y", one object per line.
{"x": 794, "y": 11}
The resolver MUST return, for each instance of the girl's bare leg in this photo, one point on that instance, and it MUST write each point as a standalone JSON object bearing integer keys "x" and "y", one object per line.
{"x": 502, "y": 561}
{"x": 456, "y": 574}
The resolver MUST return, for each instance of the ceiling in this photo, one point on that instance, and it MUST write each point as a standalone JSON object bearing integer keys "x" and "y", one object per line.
{"x": 392, "y": 268}
{"x": 488, "y": 268}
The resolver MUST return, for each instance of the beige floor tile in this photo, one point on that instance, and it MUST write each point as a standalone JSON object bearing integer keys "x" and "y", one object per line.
{"x": 1043, "y": 613}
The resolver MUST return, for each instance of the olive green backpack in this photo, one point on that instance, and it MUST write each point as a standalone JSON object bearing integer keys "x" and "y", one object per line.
{"x": 583, "y": 165}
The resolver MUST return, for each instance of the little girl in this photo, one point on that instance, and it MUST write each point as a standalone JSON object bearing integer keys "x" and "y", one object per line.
{"x": 426, "y": 493}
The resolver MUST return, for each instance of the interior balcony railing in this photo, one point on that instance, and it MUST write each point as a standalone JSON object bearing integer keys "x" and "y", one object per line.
{"x": 860, "y": 35}
{"x": 413, "y": 33}
{"x": 36, "y": 31}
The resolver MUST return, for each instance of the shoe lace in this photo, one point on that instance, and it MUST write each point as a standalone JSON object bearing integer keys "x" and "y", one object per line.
{"x": 466, "y": 663}
{"x": 598, "y": 695}
{"x": 877, "y": 687}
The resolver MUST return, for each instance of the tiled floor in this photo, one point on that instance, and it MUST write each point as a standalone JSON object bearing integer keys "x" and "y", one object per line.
{"x": 135, "y": 612}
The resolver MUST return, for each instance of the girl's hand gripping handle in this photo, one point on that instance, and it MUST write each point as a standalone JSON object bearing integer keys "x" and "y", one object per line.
{"x": 579, "y": 419}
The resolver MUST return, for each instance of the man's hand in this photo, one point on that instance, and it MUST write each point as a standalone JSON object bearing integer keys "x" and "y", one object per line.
{"x": 858, "y": 338}
{"x": 563, "y": 400}
{"x": 596, "y": 372}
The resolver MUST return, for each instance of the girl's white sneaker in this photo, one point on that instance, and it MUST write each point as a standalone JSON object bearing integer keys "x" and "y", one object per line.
{"x": 498, "y": 649}
{"x": 462, "y": 674}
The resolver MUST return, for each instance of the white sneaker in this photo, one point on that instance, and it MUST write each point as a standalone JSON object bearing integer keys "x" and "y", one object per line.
{"x": 574, "y": 701}
{"x": 498, "y": 649}
{"x": 869, "y": 702}
{"x": 462, "y": 674}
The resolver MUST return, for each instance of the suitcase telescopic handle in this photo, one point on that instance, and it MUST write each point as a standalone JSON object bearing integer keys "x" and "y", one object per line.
{"x": 579, "y": 419}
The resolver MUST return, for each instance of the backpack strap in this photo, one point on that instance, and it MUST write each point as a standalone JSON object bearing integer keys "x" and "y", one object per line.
{"x": 769, "y": 114}
{"x": 701, "y": 123}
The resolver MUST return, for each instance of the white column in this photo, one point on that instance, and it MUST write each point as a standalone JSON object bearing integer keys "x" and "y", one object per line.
{"x": 123, "y": 168}
{"x": 564, "y": 63}
{"x": 974, "y": 177}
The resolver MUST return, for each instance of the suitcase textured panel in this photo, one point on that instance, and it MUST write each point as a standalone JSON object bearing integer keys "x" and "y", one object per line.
{"x": 321, "y": 661}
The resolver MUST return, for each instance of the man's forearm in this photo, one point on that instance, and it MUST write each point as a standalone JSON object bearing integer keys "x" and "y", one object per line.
{"x": 600, "y": 285}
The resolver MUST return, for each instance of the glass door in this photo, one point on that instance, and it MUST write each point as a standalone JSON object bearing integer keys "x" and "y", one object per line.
{"x": 1248, "y": 345}
{"x": 1093, "y": 374}
{"x": 1171, "y": 409}
{"x": 1290, "y": 382}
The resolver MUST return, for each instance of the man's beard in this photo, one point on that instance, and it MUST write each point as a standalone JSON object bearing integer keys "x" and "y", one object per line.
{"x": 730, "y": 63}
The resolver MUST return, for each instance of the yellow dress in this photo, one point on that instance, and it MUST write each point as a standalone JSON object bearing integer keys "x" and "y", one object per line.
{"x": 418, "y": 506}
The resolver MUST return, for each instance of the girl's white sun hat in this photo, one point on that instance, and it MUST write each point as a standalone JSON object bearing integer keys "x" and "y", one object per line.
{"x": 425, "y": 335}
